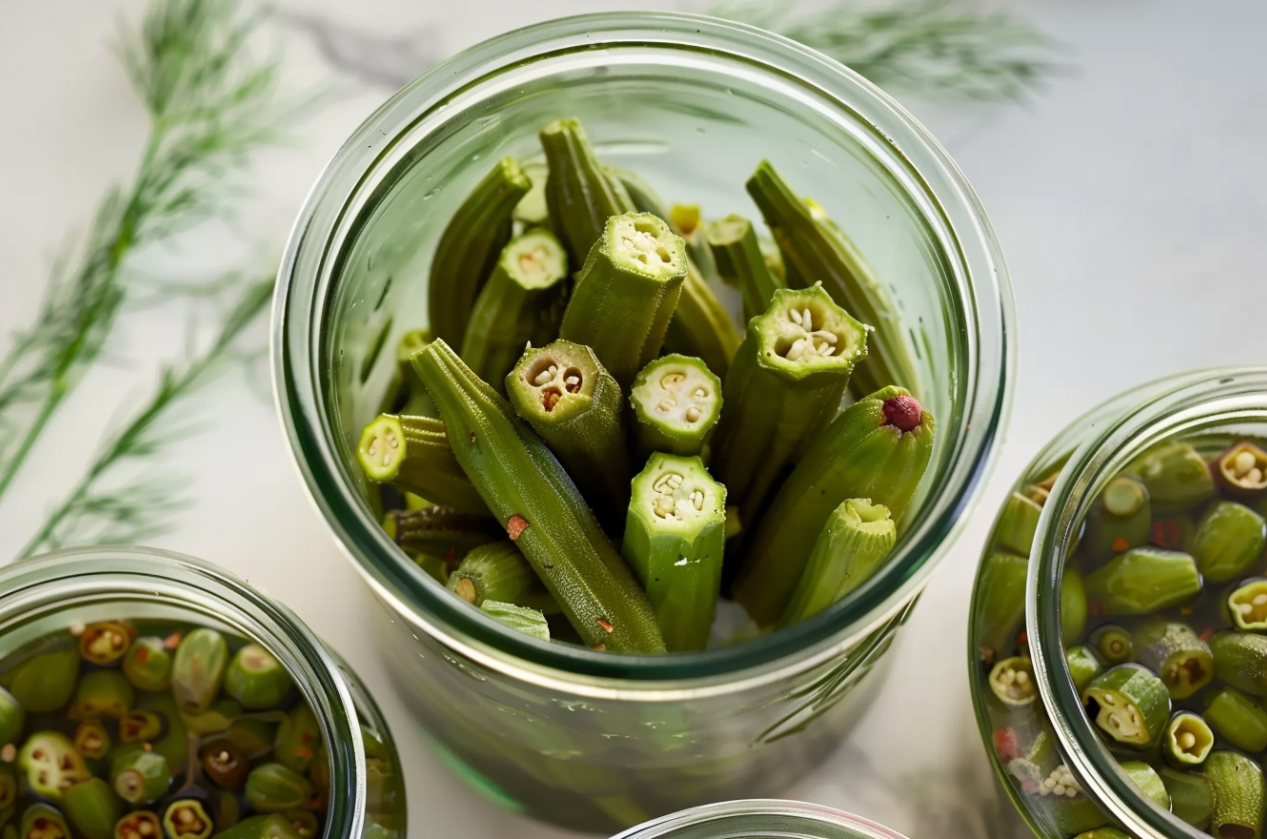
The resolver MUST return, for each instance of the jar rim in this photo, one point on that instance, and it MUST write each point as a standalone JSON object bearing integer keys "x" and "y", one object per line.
{"x": 1124, "y": 427}
{"x": 38, "y": 583}
{"x": 985, "y": 383}
{"x": 666, "y": 827}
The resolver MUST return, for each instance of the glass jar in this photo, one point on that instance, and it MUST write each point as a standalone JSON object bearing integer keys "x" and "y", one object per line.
{"x": 599, "y": 741}
{"x": 760, "y": 819}
{"x": 1017, "y": 600}
{"x": 52, "y": 593}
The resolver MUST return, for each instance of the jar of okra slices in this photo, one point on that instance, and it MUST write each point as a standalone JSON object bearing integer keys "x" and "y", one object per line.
{"x": 145, "y": 695}
{"x": 1119, "y": 623}
{"x": 555, "y": 386}
{"x": 760, "y": 819}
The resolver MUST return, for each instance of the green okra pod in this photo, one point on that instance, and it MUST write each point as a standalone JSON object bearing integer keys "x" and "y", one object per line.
{"x": 531, "y": 211}
{"x": 1242, "y": 470}
{"x": 1175, "y": 474}
{"x": 676, "y": 402}
{"x": 92, "y": 740}
{"x": 998, "y": 606}
{"x": 1229, "y": 541}
{"x": 272, "y": 788}
{"x": 101, "y": 693}
{"x": 642, "y": 196}
{"x": 1238, "y": 719}
{"x": 1083, "y": 666}
{"x": 1017, "y": 524}
{"x": 1113, "y": 644}
{"x": 1240, "y": 659}
{"x": 469, "y": 248}
{"x": 520, "y": 618}
{"x": 737, "y": 255}
{"x": 1145, "y": 777}
{"x": 820, "y": 251}
{"x": 785, "y": 385}
{"x": 46, "y": 682}
{"x": 187, "y": 818}
{"x": 140, "y": 776}
{"x": 1073, "y": 606}
{"x": 298, "y": 737}
{"x": 12, "y": 718}
{"x": 626, "y": 293}
{"x": 1238, "y": 796}
{"x": 50, "y": 764}
{"x": 525, "y": 487}
{"x": 701, "y": 326}
{"x": 415, "y": 454}
{"x": 148, "y": 665}
{"x": 441, "y": 531}
{"x": 1173, "y": 651}
{"x": 1120, "y": 519}
{"x": 499, "y": 572}
{"x": 1190, "y": 796}
{"x": 256, "y": 679}
{"x": 858, "y": 538}
{"x": 1144, "y": 580}
{"x": 93, "y": 808}
{"x": 1012, "y": 682}
{"x": 580, "y": 195}
{"x": 563, "y": 391}
{"x": 1129, "y": 704}
{"x": 174, "y": 744}
{"x": 271, "y": 826}
{"x": 521, "y": 303}
{"x": 198, "y": 669}
{"x": 42, "y": 821}
{"x": 674, "y": 538}
{"x": 139, "y": 824}
{"x": 1247, "y": 604}
{"x": 1188, "y": 740}
{"x": 878, "y": 448}
{"x": 406, "y": 395}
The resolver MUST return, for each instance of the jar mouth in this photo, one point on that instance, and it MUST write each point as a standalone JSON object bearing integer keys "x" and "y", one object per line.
{"x": 91, "y": 578}
{"x": 947, "y": 204}
{"x": 1125, "y": 427}
{"x": 753, "y": 818}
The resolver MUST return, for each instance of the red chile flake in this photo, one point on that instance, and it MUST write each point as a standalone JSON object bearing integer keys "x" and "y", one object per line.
{"x": 606, "y": 625}
{"x": 516, "y": 526}
{"x": 1006, "y": 744}
{"x": 1167, "y": 534}
{"x": 904, "y": 412}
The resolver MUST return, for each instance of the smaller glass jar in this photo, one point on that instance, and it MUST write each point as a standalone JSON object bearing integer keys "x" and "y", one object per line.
{"x": 64, "y": 591}
{"x": 1063, "y": 777}
{"x": 760, "y": 819}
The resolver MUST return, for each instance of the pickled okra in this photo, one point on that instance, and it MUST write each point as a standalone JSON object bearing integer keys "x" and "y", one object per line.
{"x": 1229, "y": 540}
{"x": 1129, "y": 704}
{"x": 581, "y": 196}
{"x": 469, "y": 248}
{"x": 737, "y": 255}
{"x": 499, "y": 572}
{"x": 441, "y": 531}
{"x": 1188, "y": 739}
{"x": 1144, "y": 580}
{"x": 522, "y": 482}
{"x": 1176, "y": 654}
{"x": 674, "y": 538}
{"x": 676, "y": 404}
{"x": 1120, "y": 519}
{"x": 784, "y": 387}
{"x": 1242, "y": 470}
{"x": 1238, "y": 796}
{"x": 415, "y": 455}
{"x": 701, "y": 326}
{"x": 1238, "y": 719}
{"x": 626, "y": 293}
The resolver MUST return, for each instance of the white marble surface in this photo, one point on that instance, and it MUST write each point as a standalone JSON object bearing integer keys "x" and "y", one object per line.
{"x": 1130, "y": 197}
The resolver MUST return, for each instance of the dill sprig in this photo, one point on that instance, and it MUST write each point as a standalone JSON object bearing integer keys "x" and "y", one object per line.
{"x": 924, "y": 47}
{"x": 210, "y": 104}
{"x": 103, "y": 510}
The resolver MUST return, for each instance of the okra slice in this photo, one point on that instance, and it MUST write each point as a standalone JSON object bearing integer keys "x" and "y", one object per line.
{"x": 1012, "y": 682}
{"x": 1129, "y": 704}
{"x": 224, "y": 764}
{"x": 42, "y": 821}
{"x": 524, "y": 485}
{"x": 1120, "y": 519}
{"x": 140, "y": 776}
{"x": 499, "y": 572}
{"x": 580, "y": 195}
{"x": 1238, "y": 719}
{"x": 1242, "y": 470}
{"x": 187, "y": 818}
{"x": 46, "y": 682}
{"x": 1229, "y": 541}
{"x": 520, "y": 618}
{"x": 1188, "y": 740}
{"x": 877, "y": 448}
{"x": 1247, "y": 604}
{"x": 441, "y": 531}
{"x": 1176, "y": 654}
{"x": 1238, "y": 796}
{"x": 1240, "y": 659}
{"x": 298, "y": 737}
{"x": 1017, "y": 524}
{"x": 272, "y": 788}
{"x": 414, "y": 454}
{"x": 105, "y": 643}
{"x": 1175, "y": 475}
{"x": 1113, "y": 644}
{"x": 12, "y": 718}
{"x": 737, "y": 255}
{"x": 1083, "y": 666}
{"x": 101, "y": 693}
{"x": 521, "y": 303}
{"x": 1190, "y": 796}
{"x": 785, "y": 385}
{"x": 999, "y": 605}
{"x": 626, "y": 293}
{"x": 820, "y": 251}
{"x": 92, "y": 740}
{"x": 701, "y": 326}
{"x": 674, "y": 537}
{"x": 93, "y": 808}
{"x": 256, "y": 679}
{"x": 50, "y": 764}
{"x": 676, "y": 403}
{"x": 858, "y": 538}
{"x": 563, "y": 391}
{"x": 469, "y": 247}
{"x": 198, "y": 669}
{"x": 148, "y": 665}
{"x": 1144, "y": 580}
{"x": 139, "y": 824}
{"x": 1145, "y": 777}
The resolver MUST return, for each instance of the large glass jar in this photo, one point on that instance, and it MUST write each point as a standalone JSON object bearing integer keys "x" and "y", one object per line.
{"x": 48, "y": 595}
{"x": 1018, "y": 599}
{"x": 760, "y": 819}
{"x": 597, "y": 741}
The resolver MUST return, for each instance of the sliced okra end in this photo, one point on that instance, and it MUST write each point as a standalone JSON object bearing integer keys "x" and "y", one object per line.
{"x": 1128, "y": 703}
{"x": 677, "y": 493}
{"x": 381, "y": 449}
{"x": 645, "y": 245}
{"x": 805, "y": 334}
{"x": 555, "y": 382}
{"x": 1189, "y": 739}
{"x": 1012, "y": 682}
{"x": 105, "y": 643}
{"x": 1248, "y": 606}
{"x": 535, "y": 260}
{"x": 1242, "y": 470}
{"x": 679, "y": 396}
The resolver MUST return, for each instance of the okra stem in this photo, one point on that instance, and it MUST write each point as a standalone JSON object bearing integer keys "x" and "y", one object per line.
{"x": 415, "y": 455}
{"x": 819, "y": 251}
{"x": 580, "y": 195}
{"x": 676, "y": 401}
{"x": 523, "y": 484}
{"x": 499, "y": 572}
{"x": 739, "y": 260}
{"x": 469, "y": 247}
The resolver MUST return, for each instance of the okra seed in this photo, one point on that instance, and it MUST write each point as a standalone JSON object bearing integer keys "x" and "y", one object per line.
{"x": 796, "y": 317}
{"x": 701, "y": 392}
{"x": 692, "y": 414}
{"x": 808, "y": 321}
{"x": 666, "y": 404}
{"x": 672, "y": 380}
{"x": 697, "y": 498}
{"x": 1187, "y": 740}
{"x": 1244, "y": 462}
